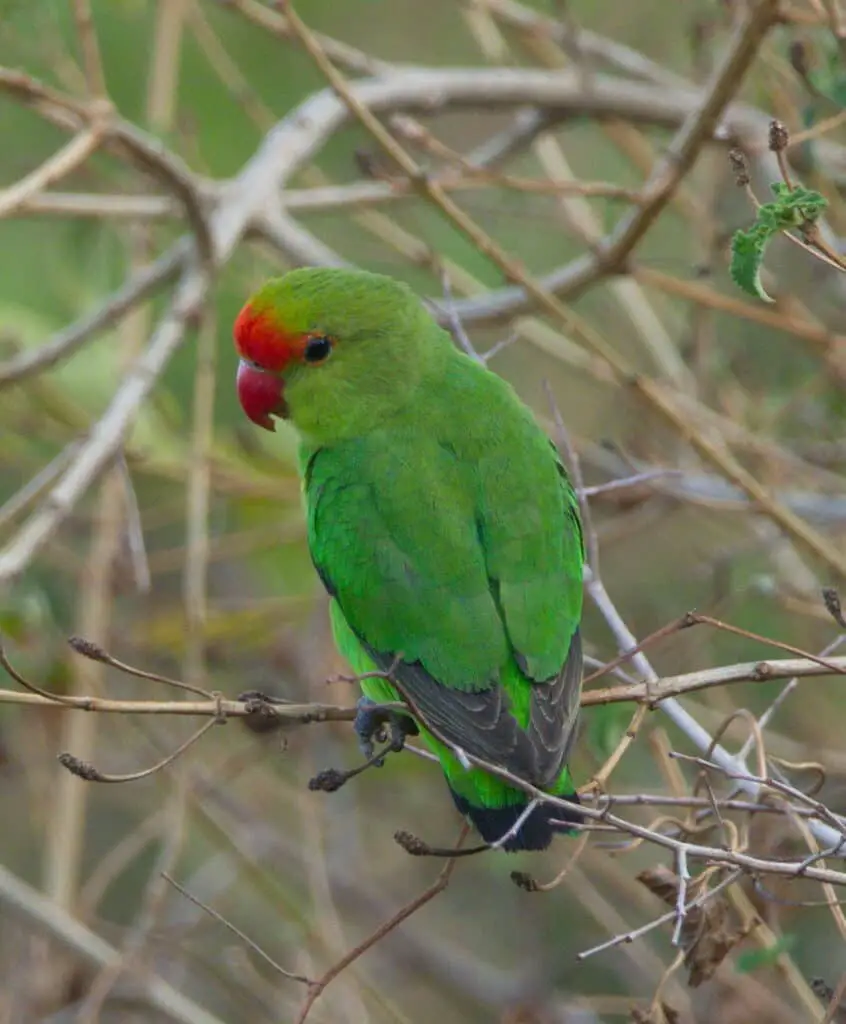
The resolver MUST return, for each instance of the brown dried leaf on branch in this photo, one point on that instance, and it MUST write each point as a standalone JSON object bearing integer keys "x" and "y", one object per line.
{"x": 708, "y": 932}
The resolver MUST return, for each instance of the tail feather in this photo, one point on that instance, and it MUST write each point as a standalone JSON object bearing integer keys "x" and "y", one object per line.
{"x": 535, "y": 833}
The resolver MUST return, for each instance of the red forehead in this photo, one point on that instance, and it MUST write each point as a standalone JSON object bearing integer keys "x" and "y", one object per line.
{"x": 261, "y": 340}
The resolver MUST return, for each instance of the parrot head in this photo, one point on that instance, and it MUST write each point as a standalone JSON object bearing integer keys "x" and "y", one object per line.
{"x": 336, "y": 352}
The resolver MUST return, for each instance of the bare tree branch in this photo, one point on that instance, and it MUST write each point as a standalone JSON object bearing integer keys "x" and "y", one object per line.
{"x": 25, "y": 902}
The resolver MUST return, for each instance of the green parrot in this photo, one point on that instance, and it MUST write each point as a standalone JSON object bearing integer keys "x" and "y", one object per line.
{"x": 444, "y": 528}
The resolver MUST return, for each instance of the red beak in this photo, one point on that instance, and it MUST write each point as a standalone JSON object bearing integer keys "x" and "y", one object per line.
{"x": 261, "y": 394}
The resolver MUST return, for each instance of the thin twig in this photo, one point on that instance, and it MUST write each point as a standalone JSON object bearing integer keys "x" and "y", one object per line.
{"x": 95, "y": 652}
{"x": 84, "y": 770}
{"x": 681, "y": 899}
{"x": 699, "y": 126}
{"x": 91, "y": 59}
{"x": 438, "y": 886}
{"x": 62, "y": 163}
{"x": 137, "y": 941}
{"x": 254, "y": 946}
{"x": 107, "y": 435}
{"x": 64, "y": 849}
{"x": 197, "y": 504}
{"x": 70, "y": 339}
{"x": 638, "y": 933}
{"x": 27, "y": 903}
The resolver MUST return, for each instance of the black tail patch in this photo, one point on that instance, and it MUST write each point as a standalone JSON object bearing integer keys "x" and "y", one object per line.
{"x": 536, "y": 832}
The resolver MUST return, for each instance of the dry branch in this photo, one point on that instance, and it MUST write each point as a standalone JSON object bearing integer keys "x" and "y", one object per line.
{"x": 27, "y": 903}
{"x": 106, "y": 437}
{"x": 70, "y": 339}
{"x": 61, "y": 163}
{"x": 652, "y": 694}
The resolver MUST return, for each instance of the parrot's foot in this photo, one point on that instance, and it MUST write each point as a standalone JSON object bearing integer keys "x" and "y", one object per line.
{"x": 373, "y": 722}
{"x": 331, "y": 779}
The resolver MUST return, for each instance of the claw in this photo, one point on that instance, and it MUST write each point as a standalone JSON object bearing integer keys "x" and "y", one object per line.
{"x": 371, "y": 722}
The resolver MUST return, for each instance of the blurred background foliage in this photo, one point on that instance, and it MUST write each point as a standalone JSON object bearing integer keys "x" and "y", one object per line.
{"x": 307, "y": 875}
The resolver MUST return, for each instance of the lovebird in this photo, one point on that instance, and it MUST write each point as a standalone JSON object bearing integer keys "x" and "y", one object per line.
{"x": 444, "y": 528}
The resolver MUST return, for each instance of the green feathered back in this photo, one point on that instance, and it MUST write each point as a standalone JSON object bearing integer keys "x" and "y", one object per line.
{"x": 450, "y": 535}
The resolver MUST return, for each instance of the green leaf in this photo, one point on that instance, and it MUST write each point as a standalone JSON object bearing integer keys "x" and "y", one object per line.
{"x": 605, "y": 729}
{"x": 837, "y": 93}
{"x": 747, "y": 256}
{"x": 755, "y": 959}
{"x": 793, "y": 208}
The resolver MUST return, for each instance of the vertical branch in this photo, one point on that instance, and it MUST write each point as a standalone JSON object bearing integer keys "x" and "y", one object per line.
{"x": 331, "y": 927}
{"x": 577, "y": 211}
{"x": 65, "y": 843}
{"x": 162, "y": 87}
{"x": 162, "y": 84}
{"x": 437, "y": 887}
{"x": 227, "y": 70}
{"x": 92, "y": 62}
{"x": 173, "y": 834}
{"x": 66, "y": 838}
{"x": 195, "y": 577}
{"x": 598, "y": 594}
{"x": 837, "y": 24}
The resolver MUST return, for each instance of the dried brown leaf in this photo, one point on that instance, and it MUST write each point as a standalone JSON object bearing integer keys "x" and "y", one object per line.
{"x": 707, "y": 932}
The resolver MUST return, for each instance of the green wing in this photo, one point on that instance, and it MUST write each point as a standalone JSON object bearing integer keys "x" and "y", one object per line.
{"x": 534, "y": 557}
{"x": 470, "y": 578}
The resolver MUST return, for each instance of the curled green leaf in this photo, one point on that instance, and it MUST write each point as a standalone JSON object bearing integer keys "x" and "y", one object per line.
{"x": 754, "y": 959}
{"x": 793, "y": 208}
{"x": 747, "y": 256}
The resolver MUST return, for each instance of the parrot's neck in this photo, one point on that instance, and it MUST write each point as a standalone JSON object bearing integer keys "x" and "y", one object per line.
{"x": 390, "y": 396}
{"x": 444, "y": 403}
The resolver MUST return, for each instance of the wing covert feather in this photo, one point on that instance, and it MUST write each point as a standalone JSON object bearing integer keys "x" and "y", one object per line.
{"x": 455, "y": 569}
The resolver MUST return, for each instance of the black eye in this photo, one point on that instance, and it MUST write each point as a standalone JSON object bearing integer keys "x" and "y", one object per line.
{"x": 317, "y": 349}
